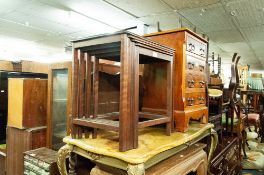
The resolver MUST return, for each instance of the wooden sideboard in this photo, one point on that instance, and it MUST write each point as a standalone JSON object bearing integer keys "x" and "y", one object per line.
{"x": 190, "y": 81}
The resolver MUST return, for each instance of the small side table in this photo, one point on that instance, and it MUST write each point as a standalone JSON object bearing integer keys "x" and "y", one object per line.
{"x": 154, "y": 147}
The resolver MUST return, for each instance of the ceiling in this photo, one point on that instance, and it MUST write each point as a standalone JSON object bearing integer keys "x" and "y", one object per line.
{"x": 41, "y": 29}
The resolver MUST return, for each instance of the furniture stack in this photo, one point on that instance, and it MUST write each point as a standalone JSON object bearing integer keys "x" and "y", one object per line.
{"x": 130, "y": 50}
{"x": 190, "y": 78}
{"x": 27, "y": 106}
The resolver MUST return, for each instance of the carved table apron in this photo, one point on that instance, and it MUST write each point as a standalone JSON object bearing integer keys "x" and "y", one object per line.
{"x": 154, "y": 147}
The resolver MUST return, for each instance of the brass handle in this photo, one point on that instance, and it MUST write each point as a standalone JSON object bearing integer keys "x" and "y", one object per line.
{"x": 201, "y": 99}
{"x": 202, "y": 83}
{"x": 191, "y": 47}
{"x": 191, "y": 83}
{"x": 202, "y": 52}
{"x": 190, "y": 65}
{"x": 190, "y": 101}
{"x": 201, "y": 68}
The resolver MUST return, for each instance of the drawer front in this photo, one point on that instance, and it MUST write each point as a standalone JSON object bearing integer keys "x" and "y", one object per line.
{"x": 195, "y": 64}
{"x": 196, "y": 46}
{"x": 193, "y": 99}
{"x": 195, "y": 79}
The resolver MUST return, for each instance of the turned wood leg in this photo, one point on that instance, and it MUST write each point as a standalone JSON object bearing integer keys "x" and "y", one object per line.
{"x": 63, "y": 154}
{"x": 214, "y": 142}
{"x": 138, "y": 169}
{"x": 244, "y": 141}
{"x": 72, "y": 163}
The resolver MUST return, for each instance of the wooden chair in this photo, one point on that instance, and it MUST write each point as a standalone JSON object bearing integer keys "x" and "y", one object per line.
{"x": 130, "y": 50}
{"x": 235, "y": 108}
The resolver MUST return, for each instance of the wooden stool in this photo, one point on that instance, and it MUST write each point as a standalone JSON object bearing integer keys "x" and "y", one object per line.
{"x": 189, "y": 160}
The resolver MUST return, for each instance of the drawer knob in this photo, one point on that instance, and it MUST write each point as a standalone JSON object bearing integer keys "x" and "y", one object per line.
{"x": 191, "y": 83}
{"x": 190, "y": 65}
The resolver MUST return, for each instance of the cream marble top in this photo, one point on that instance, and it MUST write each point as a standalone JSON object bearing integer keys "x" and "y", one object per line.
{"x": 152, "y": 141}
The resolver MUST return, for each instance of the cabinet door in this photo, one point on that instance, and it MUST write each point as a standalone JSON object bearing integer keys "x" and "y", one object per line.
{"x": 58, "y": 111}
{"x": 59, "y": 105}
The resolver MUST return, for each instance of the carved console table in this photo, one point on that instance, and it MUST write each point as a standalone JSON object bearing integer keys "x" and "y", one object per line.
{"x": 154, "y": 147}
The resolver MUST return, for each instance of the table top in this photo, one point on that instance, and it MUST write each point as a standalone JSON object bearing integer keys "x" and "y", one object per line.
{"x": 152, "y": 141}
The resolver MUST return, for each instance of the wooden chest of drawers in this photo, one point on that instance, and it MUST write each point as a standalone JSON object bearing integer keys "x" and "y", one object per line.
{"x": 189, "y": 84}
{"x": 42, "y": 161}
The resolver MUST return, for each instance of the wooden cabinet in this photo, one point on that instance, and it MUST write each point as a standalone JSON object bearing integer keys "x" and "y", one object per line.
{"x": 19, "y": 141}
{"x": 41, "y": 161}
{"x": 4, "y": 96}
{"x": 27, "y": 102}
{"x": 190, "y": 82}
{"x": 59, "y": 93}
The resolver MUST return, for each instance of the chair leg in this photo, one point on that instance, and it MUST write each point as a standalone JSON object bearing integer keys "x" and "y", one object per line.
{"x": 244, "y": 143}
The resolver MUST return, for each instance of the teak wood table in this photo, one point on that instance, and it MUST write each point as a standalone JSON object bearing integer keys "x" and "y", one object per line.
{"x": 129, "y": 50}
{"x": 154, "y": 147}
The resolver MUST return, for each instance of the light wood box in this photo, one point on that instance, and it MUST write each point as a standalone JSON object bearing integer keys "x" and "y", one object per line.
{"x": 27, "y": 102}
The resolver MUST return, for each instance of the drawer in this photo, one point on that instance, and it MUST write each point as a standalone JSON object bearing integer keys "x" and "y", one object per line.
{"x": 195, "y": 79}
{"x": 196, "y": 46}
{"x": 194, "y": 64}
{"x": 197, "y": 98}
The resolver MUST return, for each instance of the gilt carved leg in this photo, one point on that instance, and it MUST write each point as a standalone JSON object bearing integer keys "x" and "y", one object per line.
{"x": 138, "y": 169}
{"x": 63, "y": 154}
{"x": 214, "y": 142}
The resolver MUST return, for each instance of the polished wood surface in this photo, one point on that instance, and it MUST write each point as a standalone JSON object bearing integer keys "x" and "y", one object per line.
{"x": 52, "y": 68}
{"x": 27, "y": 102}
{"x": 19, "y": 141}
{"x": 189, "y": 82}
